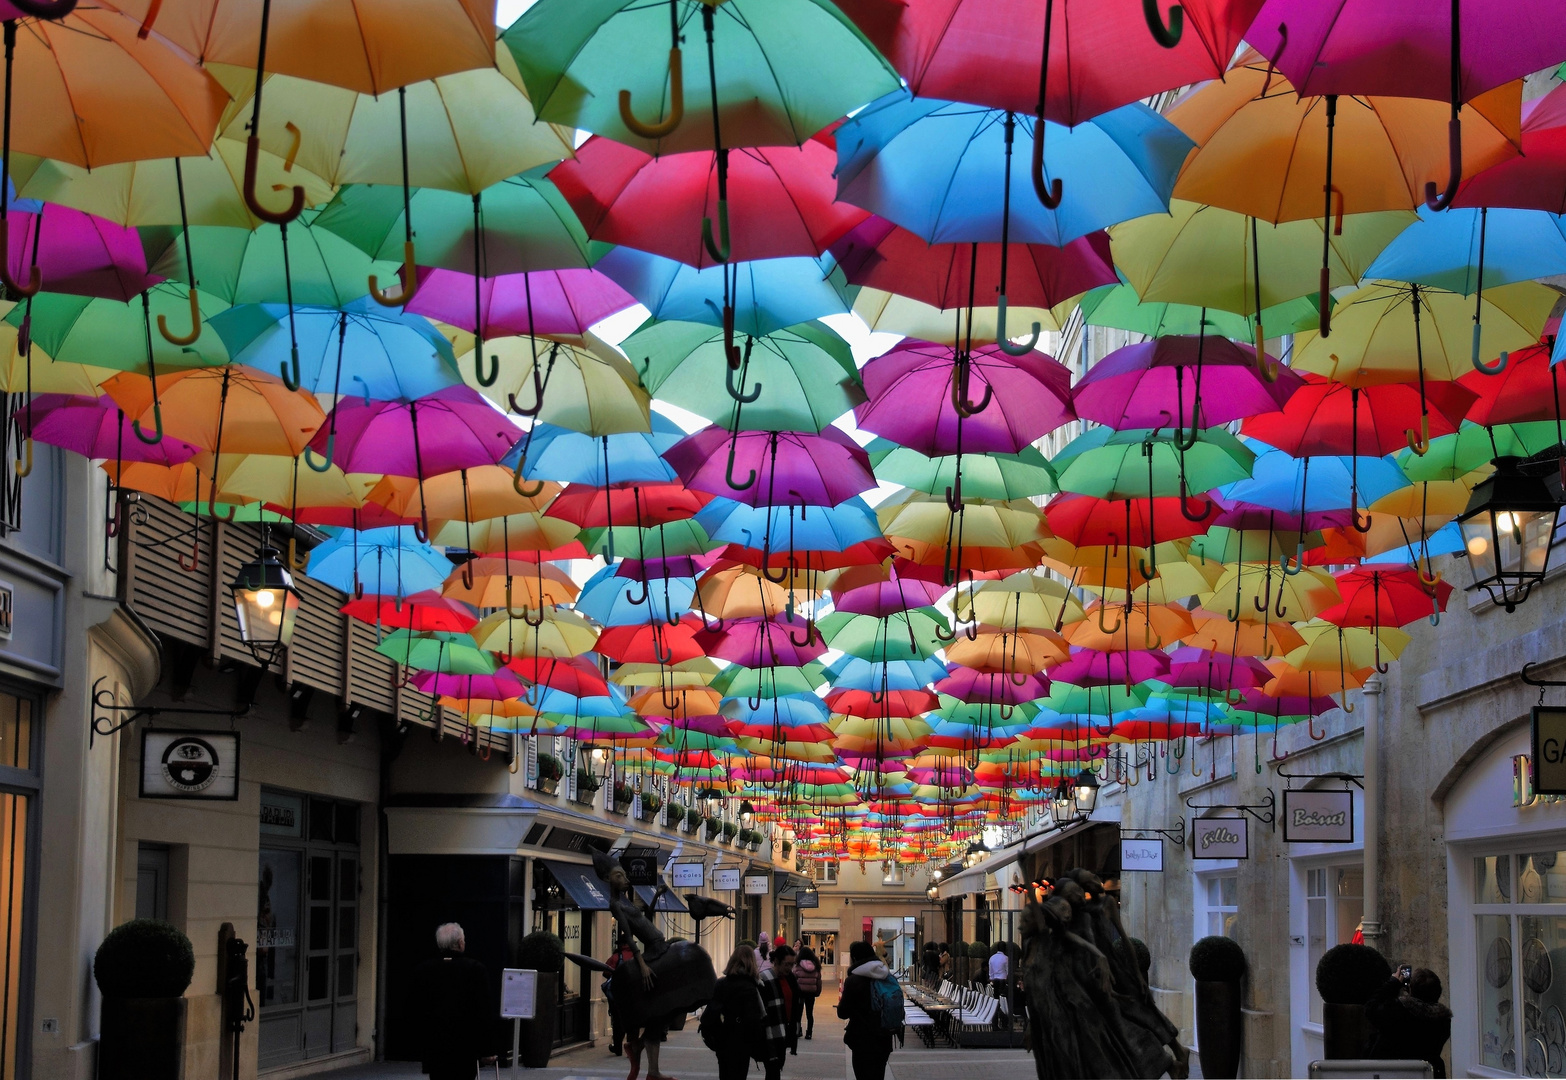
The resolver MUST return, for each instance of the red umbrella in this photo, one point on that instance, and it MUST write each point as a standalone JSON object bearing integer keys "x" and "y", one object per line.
{"x": 1535, "y": 179}
{"x": 801, "y": 560}
{"x": 1523, "y": 391}
{"x": 903, "y": 703}
{"x": 1092, "y": 522}
{"x": 782, "y": 199}
{"x": 595, "y": 508}
{"x": 427, "y": 610}
{"x": 1378, "y": 598}
{"x": 1326, "y": 418}
{"x": 651, "y": 643}
{"x": 576, "y": 675}
{"x": 881, "y": 255}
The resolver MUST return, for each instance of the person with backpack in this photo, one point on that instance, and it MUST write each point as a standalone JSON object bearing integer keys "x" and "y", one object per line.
{"x": 733, "y": 1024}
{"x": 872, "y": 1003}
{"x": 807, "y": 973}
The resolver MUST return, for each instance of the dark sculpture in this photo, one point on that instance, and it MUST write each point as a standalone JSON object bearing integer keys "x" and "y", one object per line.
{"x": 705, "y": 907}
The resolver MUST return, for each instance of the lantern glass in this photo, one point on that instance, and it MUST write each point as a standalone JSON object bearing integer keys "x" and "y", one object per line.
{"x": 1085, "y": 794}
{"x": 266, "y": 604}
{"x": 1507, "y": 530}
{"x": 1063, "y": 805}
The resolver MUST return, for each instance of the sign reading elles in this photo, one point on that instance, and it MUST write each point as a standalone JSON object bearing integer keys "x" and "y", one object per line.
{"x": 1549, "y": 751}
{"x": 1220, "y": 838}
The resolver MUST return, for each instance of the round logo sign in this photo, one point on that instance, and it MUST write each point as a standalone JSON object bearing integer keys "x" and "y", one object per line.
{"x": 190, "y": 764}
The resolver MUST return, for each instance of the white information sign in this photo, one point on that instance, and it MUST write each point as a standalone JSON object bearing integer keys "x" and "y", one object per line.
{"x": 686, "y": 875}
{"x": 518, "y": 993}
{"x": 759, "y": 885}
{"x": 726, "y": 879}
{"x": 1145, "y": 856}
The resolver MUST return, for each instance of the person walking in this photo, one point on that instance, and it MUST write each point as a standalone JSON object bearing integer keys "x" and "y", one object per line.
{"x": 458, "y": 1009}
{"x": 867, "y": 1035}
{"x": 807, "y": 976}
{"x": 1408, "y": 1020}
{"x": 764, "y": 955}
{"x": 616, "y": 1034}
{"x": 946, "y": 962}
{"x": 1000, "y": 967}
{"x": 781, "y": 997}
{"x": 733, "y": 1022}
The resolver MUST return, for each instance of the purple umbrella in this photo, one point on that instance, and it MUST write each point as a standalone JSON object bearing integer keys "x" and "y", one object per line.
{"x": 95, "y": 427}
{"x": 78, "y": 253}
{"x": 784, "y": 467}
{"x": 939, "y": 400}
{"x": 563, "y": 302}
{"x": 1203, "y": 669}
{"x": 503, "y": 685}
{"x": 675, "y": 566}
{"x": 972, "y": 685}
{"x": 1089, "y": 667}
{"x": 1178, "y": 380}
{"x": 756, "y": 643}
{"x": 1254, "y": 701}
{"x": 1250, "y": 517}
{"x": 881, "y": 591}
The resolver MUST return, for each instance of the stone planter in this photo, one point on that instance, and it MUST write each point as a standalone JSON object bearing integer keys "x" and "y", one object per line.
{"x": 549, "y": 785}
{"x": 1219, "y": 1028}
{"x": 538, "y": 1034}
{"x": 647, "y": 815}
{"x": 585, "y": 797}
{"x": 141, "y": 1038}
{"x": 1345, "y": 1031}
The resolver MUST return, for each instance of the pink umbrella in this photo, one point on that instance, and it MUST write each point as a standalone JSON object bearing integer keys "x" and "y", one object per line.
{"x": 95, "y": 427}
{"x": 564, "y": 303}
{"x": 881, "y": 591}
{"x": 503, "y": 685}
{"x": 784, "y": 200}
{"x": 970, "y": 684}
{"x": 784, "y": 467}
{"x": 1204, "y": 669}
{"x": 1536, "y": 178}
{"x": 78, "y": 253}
{"x": 1089, "y": 667}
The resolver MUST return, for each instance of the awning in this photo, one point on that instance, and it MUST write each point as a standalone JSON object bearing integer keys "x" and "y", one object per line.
{"x": 972, "y": 879}
{"x": 580, "y": 884}
{"x": 787, "y": 884}
{"x": 666, "y": 902}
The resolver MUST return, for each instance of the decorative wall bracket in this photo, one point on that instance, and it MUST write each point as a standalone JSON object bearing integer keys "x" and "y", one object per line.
{"x": 1540, "y": 683}
{"x": 123, "y": 716}
{"x": 1347, "y": 778}
{"x": 1265, "y": 811}
{"x": 1174, "y": 836}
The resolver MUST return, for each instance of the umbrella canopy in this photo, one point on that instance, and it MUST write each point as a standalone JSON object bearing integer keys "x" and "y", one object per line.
{"x": 446, "y": 431}
{"x": 1177, "y": 381}
{"x": 766, "y": 295}
{"x": 784, "y": 468}
{"x": 550, "y": 303}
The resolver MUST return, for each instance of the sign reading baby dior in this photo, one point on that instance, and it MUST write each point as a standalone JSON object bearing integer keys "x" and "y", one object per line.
{"x": 1318, "y": 817}
{"x": 1146, "y": 856}
{"x": 1220, "y": 838}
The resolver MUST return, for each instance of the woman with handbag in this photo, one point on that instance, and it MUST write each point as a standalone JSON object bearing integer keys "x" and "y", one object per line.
{"x": 808, "y": 974}
{"x": 733, "y": 1024}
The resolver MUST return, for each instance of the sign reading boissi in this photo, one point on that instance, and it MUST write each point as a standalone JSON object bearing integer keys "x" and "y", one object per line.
{"x": 1318, "y": 817}
{"x": 1220, "y": 838}
{"x": 1549, "y": 751}
{"x": 1145, "y": 856}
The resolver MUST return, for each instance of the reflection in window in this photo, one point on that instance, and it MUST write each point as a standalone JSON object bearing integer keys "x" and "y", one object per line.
{"x": 1496, "y": 1038}
{"x": 1221, "y": 894}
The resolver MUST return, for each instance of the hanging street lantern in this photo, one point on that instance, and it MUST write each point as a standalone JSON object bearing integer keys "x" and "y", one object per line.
{"x": 1507, "y": 529}
{"x": 266, "y": 604}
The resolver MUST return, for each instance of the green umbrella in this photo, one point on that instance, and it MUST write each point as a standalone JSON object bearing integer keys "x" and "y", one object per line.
{"x": 736, "y": 681}
{"x": 905, "y": 635}
{"x": 797, "y": 379}
{"x": 111, "y": 334}
{"x": 1115, "y": 464}
{"x": 1099, "y": 700}
{"x": 984, "y": 476}
{"x": 687, "y": 739}
{"x": 527, "y": 226}
{"x": 1472, "y": 447}
{"x": 1118, "y": 306}
{"x": 984, "y": 713}
{"x": 785, "y": 69}
{"x": 438, "y": 650}
{"x": 682, "y": 537}
{"x": 247, "y": 267}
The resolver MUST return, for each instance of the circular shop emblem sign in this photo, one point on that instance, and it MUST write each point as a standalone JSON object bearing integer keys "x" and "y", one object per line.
{"x": 190, "y": 764}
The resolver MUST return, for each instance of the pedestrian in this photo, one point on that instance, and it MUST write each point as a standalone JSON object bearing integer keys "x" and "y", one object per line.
{"x": 784, "y": 1003}
{"x": 457, "y": 1009}
{"x": 1000, "y": 969}
{"x": 733, "y": 1023}
{"x": 807, "y": 975}
{"x": 946, "y": 962}
{"x": 865, "y": 1003}
{"x": 1408, "y": 1020}
{"x": 763, "y": 955}
{"x": 619, "y": 956}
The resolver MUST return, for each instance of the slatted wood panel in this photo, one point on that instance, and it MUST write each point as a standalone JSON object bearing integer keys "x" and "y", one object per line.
{"x": 174, "y": 602}
{"x": 371, "y": 684}
{"x": 316, "y": 656}
{"x": 237, "y": 545}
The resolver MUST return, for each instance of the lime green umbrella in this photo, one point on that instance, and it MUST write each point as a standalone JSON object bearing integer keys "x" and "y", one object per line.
{"x": 1101, "y": 701}
{"x": 736, "y": 681}
{"x": 247, "y": 267}
{"x": 904, "y": 635}
{"x": 682, "y": 537}
{"x": 690, "y": 739}
{"x": 1132, "y": 464}
{"x": 438, "y": 650}
{"x": 1118, "y": 306}
{"x": 984, "y": 476}
{"x": 797, "y": 379}
{"x": 527, "y": 225}
{"x": 111, "y": 334}
{"x": 785, "y": 69}
{"x": 1473, "y": 447}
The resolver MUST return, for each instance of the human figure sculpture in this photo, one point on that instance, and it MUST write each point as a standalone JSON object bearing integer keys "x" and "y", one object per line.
{"x": 1077, "y": 1030}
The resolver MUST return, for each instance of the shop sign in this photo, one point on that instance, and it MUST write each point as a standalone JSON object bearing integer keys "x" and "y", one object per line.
{"x": 1318, "y": 817}
{"x": 189, "y": 764}
{"x": 1145, "y": 856}
{"x": 726, "y": 879}
{"x": 807, "y": 898}
{"x": 686, "y": 875}
{"x": 282, "y": 815}
{"x": 757, "y": 885}
{"x": 641, "y": 865}
{"x": 1220, "y": 838}
{"x": 1549, "y": 751}
{"x": 7, "y": 605}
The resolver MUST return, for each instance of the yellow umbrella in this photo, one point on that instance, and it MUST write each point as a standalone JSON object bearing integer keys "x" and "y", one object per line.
{"x": 1042, "y": 606}
{"x": 529, "y": 531}
{"x": 698, "y": 671}
{"x": 559, "y": 635}
{"x": 892, "y": 313}
{"x": 1264, "y": 593}
{"x": 588, "y": 388}
{"x": 925, "y": 518}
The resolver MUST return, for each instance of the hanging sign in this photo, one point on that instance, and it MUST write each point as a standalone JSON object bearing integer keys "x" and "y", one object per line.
{"x": 189, "y": 764}
{"x": 1318, "y": 817}
{"x": 1549, "y": 751}
{"x": 758, "y": 885}
{"x": 807, "y": 898}
{"x": 686, "y": 875}
{"x": 726, "y": 879}
{"x": 641, "y": 865}
{"x": 1220, "y": 838}
{"x": 1144, "y": 856}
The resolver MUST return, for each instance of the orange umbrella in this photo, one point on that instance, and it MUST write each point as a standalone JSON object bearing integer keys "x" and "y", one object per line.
{"x": 509, "y": 583}
{"x": 1242, "y": 638}
{"x": 998, "y": 649}
{"x": 486, "y": 491}
{"x": 1110, "y": 627}
{"x": 230, "y": 408}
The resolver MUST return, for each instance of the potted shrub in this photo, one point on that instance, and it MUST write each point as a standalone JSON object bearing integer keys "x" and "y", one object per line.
{"x": 142, "y": 968}
{"x": 693, "y": 819}
{"x": 1346, "y": 976}
{"x": 587, "y": 786}
{"x": 550, "y": 770}
{"x": 730, "y": 831}
{"x": 1217, "y": 966}
{"x": 623, "y": 797}
{"x": 542, "y": 952}
{"x": 714, "y": 826}
{"x": 651, "y": 804}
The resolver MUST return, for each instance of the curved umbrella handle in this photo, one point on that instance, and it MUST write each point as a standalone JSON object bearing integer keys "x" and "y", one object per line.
{"x": 516, "y": 482}
{"x": 538, "y": 396}
{"x": 1002, "y": 341}
{"x": 719, "y": 251}
{"x": 638, "y": 601}
{"x": 663, "y": 653}
{"x": 1050, "y": 195}
{"x": 12, "y": 286}
{"x": 667, "y": 125}
{"x": 1151, "y": 639}
{"x": 326, "y": 462}
{"x": 511, "y": 611}
{"x": 410, "y": 281}
{"x": 478, "y": 368}
{"x": 290, "y": 369}
{"x": 157, "y": 419}
{"x": 252, "y": 160}
{"x": 971, "y": 631}
{"x": 1167, "y": 37}
{"x": 1360, "y": 527}
{"x": 195, "y": 322}
{"x": 467, "y": 573}
{"x": 1419, "y": 444}
{"x": 1105, "y": 629}
{"x": 1299, "y": 561}
{"x": 1185, "y": 510}
{"x": 1429, "y": 581}
{"x": 1454, "y": 153}
{"x": 728, "y": 475}
{"x": 295, "y": 563}
{"x": 960, "y": 400}
{"x": 1495, "y": 368}
{"x": 1148, "y": 572}
{"x": 810, "y": 635}
{"x": 944, "y": 634}
{"x": 530, "y": 619}
{"x": 214, "y": 515}
{"x": 40, "y": 10}
{"x": 735, "y": 392}
{"x": 358, "y": 586}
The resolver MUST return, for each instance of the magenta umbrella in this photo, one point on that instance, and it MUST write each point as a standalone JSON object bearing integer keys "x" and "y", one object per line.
{"x": 999, "y": 688}
{"x": 1089, "y": 667}
{"x": 758, "y": 643}
{"x": 1203, "y": 669}
{"x": 95, "y": 427}
{"x": 503, "y": 685}
{"x": 560, "y": 303}
{"x": 79, "y": 254}
{"x": 881, "y": 591}
{"x": 1253, "y": 517}
{"x": 1172, "y": 381}
{"x": 784, "y": 467}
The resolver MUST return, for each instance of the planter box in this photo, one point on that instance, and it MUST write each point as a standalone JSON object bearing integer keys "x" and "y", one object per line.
{"x": 753, "y": 846}
{"x": 548, "y": 786}
{"x": 619, "y": 807}
{"x": 583, "y": 797}
{"x": 649, "y": 815}
{"x": 141, "y": 1038}
{"x": 1218, "y": 1028}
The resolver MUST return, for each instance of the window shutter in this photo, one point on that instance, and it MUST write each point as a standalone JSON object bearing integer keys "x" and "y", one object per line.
{"x": 530, "y": 766}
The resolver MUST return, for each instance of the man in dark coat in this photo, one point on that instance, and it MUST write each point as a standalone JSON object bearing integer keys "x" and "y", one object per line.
{"x": 458, "y": 1009}
{"x": 1409, "y": 1021}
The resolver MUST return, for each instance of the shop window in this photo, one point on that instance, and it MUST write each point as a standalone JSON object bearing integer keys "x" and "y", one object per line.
{"x": 893, "y": 874}
{"x": 1519, "y": 943}
{"x": 19, "y": 785}
{"x": 1334, "y": 906}
{"x": 1218, "y": 896}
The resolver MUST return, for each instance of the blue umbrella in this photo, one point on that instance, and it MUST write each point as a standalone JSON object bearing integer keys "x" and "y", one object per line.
{"x": 362, "y": 350}
{"x": 938, "y": 169}
{"x": 1281, "y": 482}
{"x": 1447, "y": 540}
{"x": 791, "y": 528}
{"x": 559, "y": 704}
{"x": 607, "y": 599}
{"x": 853, "y": 673}
{"x": 569, "y": 457}
{"x": 789, "y": 711}
{"x": 388, "y": 561}
{"x": 767, "y": 294}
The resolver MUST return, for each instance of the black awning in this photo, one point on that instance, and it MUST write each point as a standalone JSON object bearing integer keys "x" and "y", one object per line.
{"x": 666, "y": 902}
{"x": 580, "y": 884}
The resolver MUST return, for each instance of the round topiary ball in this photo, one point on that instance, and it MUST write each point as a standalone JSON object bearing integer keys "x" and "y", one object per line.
{"x": 541, "y": 951}
{"x": 1217, "y": 959}
{"x": 1348, "y": 974}
{"x": 1139, "y": 950}
{"x": 144, "y": 958}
